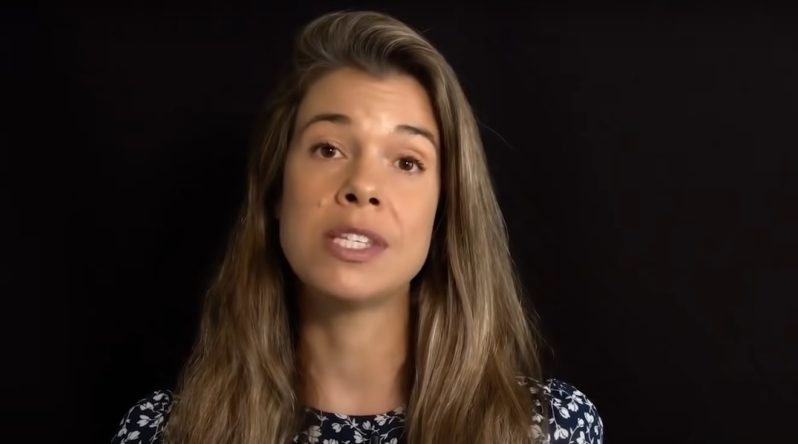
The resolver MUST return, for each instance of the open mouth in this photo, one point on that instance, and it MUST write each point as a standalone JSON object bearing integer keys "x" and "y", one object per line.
{"x": 352, "y": 241}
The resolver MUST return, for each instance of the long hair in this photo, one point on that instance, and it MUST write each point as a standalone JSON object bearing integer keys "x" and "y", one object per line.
{"x": 472, "y": 337}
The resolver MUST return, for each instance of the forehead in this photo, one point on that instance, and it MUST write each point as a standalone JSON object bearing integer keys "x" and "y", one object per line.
{"x": 390, "y": 99}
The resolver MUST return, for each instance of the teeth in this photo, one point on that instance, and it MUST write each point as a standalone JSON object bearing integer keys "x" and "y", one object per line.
{"x": 353, "y": 241}
{"x": 354, "y": 245}
{"x": 355, "y": 237}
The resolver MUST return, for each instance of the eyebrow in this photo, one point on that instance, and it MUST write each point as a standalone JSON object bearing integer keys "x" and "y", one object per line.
{"x": 343, "y": 119}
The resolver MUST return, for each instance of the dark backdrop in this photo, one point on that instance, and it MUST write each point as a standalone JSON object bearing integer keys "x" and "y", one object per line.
{"x": 645, "y": 160}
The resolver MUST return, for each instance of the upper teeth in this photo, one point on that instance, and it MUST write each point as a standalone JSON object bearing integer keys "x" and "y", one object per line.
{"x": 355, "y": 237}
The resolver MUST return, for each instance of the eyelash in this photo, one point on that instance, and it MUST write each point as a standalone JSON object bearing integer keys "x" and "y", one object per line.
{"x": 418, "y": 163}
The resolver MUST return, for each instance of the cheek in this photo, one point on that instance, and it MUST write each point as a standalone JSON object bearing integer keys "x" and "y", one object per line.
{"x": 418, "y": 233}
{"x": 296, "y": 202}
{"x": 300, "y": 191}
{"x": 306, "y": 194}
{"x": 421, "y": 225}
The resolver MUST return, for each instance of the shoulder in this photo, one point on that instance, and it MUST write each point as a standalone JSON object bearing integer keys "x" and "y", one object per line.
{"x": 571, "y": 415}
{"x": 143, "y": 423}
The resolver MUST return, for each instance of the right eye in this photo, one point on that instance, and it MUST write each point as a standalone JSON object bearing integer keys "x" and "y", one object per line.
{"x": 326, "y": 150}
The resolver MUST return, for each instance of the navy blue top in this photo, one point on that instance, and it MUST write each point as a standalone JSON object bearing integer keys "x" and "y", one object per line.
{"x": 572, "y": 419}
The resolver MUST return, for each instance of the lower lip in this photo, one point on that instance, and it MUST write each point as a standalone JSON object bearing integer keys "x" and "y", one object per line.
{"x": 352, "y": 255}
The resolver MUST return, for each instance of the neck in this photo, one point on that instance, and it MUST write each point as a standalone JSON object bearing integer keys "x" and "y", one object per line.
{"x": 353, "y": 357}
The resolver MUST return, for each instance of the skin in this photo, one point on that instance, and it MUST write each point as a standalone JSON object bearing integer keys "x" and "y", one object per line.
{"x": 367, "y": 169}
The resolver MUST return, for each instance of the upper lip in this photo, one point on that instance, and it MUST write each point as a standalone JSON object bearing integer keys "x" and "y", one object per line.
{"x": 375, "y": 238}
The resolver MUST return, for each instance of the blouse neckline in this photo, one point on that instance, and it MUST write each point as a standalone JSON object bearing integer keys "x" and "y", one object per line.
{"x": 397, "y": 411}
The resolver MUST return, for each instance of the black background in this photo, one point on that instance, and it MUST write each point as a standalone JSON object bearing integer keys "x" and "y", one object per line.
{"x": 645, "y": 159}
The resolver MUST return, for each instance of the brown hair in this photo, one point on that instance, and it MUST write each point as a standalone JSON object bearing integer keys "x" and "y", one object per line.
{"x": 473, "y": 338}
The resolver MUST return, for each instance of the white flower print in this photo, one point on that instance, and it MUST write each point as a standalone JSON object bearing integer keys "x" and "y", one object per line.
{"x": 559, "y": 432}
{"x": 573, "y": 418}
{"x": 314, "y": 432}
{"x": 380, "y": 419}
{"x": 569, "y": 417}
{"x": 358, "y": 436}
{"x": 142, "y": 422}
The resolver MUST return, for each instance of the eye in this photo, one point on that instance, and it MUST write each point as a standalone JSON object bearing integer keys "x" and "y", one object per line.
{"x": 326, "y": 150}
{"x": 408, "y": 163}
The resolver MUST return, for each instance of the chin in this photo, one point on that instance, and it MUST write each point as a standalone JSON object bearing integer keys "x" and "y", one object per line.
{"x": 353, "y": 288}
{"x": 352, "y": 292}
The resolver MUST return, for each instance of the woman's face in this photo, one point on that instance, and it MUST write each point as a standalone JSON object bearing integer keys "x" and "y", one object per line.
{"x": 361, "y": 185}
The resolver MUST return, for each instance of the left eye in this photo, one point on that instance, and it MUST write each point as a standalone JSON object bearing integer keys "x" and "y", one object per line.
{"x": 407, "y": 163}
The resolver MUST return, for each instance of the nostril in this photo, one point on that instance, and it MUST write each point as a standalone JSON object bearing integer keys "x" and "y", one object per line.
{"x": 352, "y": 197}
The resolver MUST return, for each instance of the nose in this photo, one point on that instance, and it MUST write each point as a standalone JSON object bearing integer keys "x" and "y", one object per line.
{"x": 361, "y": 186}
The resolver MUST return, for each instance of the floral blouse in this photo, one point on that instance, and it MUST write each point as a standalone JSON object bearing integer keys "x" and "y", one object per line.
{"x": 572, "y": 419}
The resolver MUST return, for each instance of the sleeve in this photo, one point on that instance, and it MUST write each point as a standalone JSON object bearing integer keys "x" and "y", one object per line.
{"x": 143, "y": 423}
{"x": 573, "y": 417}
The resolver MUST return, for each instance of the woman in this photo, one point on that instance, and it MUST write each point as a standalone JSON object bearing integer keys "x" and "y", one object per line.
{"x": 367, "y": 294}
